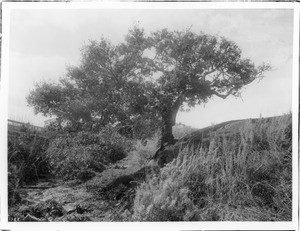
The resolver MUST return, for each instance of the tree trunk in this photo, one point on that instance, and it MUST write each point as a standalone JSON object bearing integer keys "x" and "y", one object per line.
{"x": 167, "y": 134}
{"x": 169, "y": 120}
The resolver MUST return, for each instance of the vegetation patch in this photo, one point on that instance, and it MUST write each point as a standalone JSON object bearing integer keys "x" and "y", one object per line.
{"x": 114, "y": 135}
{"x": 80, "y": 155}
{"x": 235, "y": 178}
{"x": 27, "y": 162}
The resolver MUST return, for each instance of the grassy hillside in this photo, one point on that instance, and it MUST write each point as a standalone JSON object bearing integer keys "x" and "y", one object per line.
{"x": 234, "y": 171}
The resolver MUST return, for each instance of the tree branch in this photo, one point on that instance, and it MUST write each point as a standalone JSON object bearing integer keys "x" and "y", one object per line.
{"x": 177, "y": 103}
{"x": 209, "y": 72}
{"x": 215, "y": 77}
{"x": 160, "y": 69}
{"x": 221, "y": 95}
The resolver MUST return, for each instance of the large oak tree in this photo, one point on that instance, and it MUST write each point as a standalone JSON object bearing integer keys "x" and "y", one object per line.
{"x": 145, "y": 80}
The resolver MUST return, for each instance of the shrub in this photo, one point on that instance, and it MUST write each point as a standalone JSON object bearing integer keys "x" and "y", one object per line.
{"x": 27, "y": 161}
{"x": 72, "y": 154}
{"x": 164, "y": 197}
{"x": 26, "y": 155}
{"x": 240, "y": 177}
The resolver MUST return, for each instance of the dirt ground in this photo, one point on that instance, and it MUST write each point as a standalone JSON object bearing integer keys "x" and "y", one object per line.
{"x": 56, "y": 200}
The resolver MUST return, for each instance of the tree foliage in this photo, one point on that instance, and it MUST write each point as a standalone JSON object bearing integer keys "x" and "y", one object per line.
{"x": 145, "y": 80}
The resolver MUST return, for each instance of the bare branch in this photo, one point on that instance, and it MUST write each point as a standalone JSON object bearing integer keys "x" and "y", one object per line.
{"x": 209, "y": 72}
{"x": 223, "y": 96}
{"x": 215, "y": 77}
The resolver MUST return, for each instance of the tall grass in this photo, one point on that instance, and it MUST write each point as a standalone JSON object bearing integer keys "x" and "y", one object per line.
{"x": 244, "y": 176}
{"x": 27, "y": 161}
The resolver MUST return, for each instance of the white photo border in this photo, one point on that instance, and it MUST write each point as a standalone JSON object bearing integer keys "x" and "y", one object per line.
{"x": 7, "y": 7}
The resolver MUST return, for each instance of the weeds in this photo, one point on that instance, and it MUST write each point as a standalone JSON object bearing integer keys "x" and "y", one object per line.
{"x": 27, "y": 162}
{"x": 244, "y": 176}
{"x": 78, "y": 155}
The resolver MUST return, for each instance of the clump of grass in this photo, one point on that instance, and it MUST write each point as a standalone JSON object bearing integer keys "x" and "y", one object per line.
{"x": 27, "y": 162}
{"x": 165, "y": 197}
{"x": 245, "y": 176}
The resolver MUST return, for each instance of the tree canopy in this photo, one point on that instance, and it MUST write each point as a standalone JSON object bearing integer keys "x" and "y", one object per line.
{"x": 145, "y": 80}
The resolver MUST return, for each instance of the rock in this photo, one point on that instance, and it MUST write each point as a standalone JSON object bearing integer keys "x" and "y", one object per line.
{"x": 31, "y": 218}
{"x": 69, "y": 208}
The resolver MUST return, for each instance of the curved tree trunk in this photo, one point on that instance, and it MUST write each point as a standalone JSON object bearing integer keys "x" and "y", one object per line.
{"x": 167, "y": 134}
{"x": 169, "y": 120}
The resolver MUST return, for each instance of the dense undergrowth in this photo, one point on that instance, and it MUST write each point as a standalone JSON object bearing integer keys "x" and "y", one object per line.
{"x": 27, "y": 162}
{"x": 241, "y": 177}
{"x": 67, "y": 156}
{"x": 242, "y": 173}
{"x": 80, "y": 155}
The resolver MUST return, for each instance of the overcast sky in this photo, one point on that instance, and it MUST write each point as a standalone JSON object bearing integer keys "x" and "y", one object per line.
{"x": 44, "y": 42}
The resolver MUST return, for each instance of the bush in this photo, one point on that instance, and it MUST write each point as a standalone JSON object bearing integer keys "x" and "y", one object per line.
{"x": 238, "y": 178}
{"x": 164, "y": 197}
{"x": 26, "y": 155}
{"x": 27, "y": 162}
{"x": 72, "y": 154}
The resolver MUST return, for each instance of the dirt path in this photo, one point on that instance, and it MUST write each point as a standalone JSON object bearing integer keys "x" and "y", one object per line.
{"x": 56, "y": 200}
{"x": 60, "y": 202}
